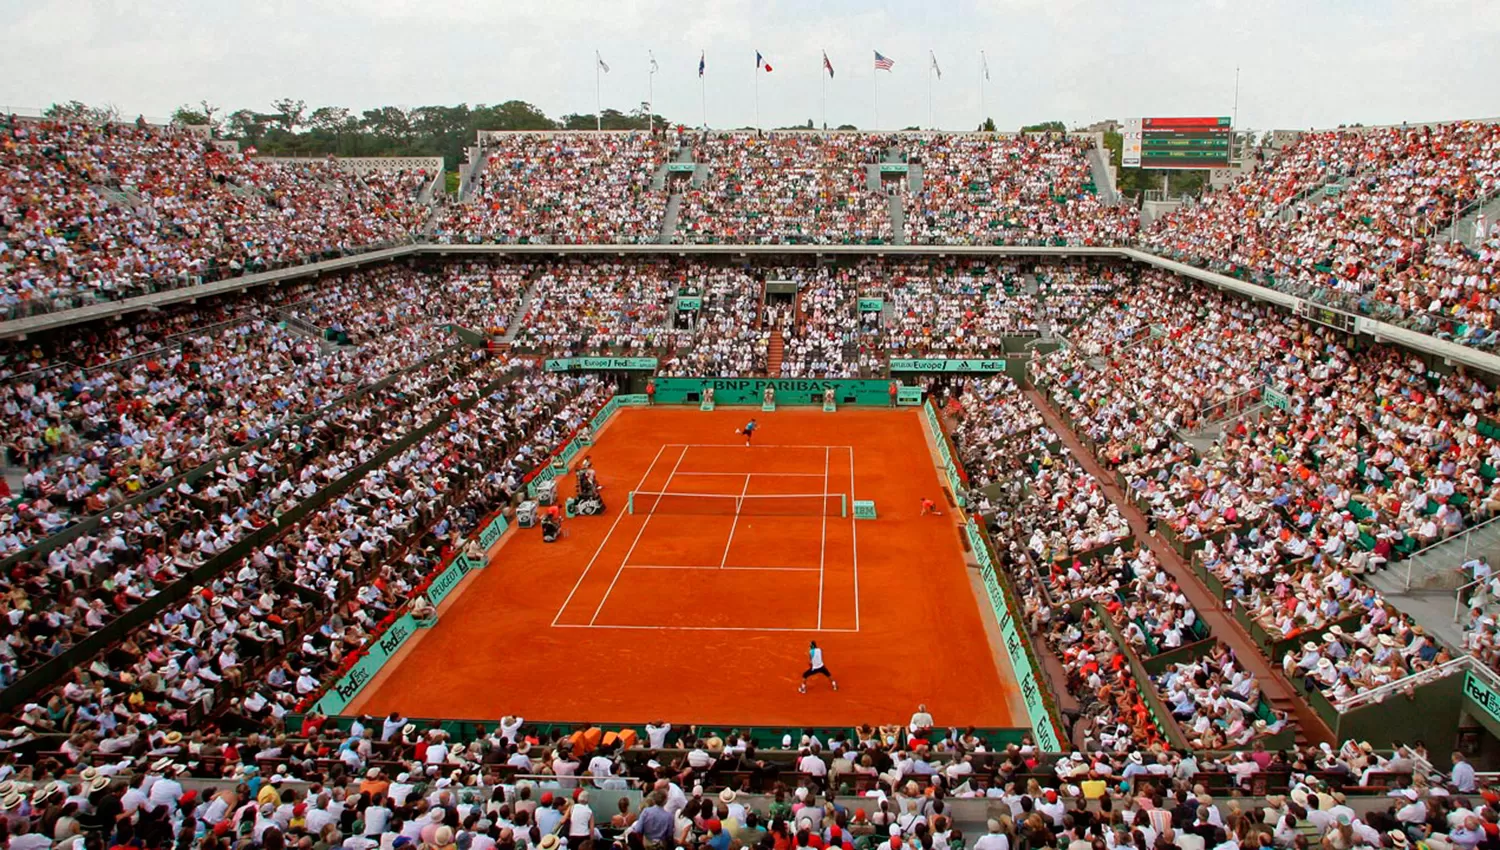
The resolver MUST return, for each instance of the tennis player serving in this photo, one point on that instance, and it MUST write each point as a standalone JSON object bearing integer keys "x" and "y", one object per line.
{"x": 815, "y": 667}
{"x": 748, "y": 430}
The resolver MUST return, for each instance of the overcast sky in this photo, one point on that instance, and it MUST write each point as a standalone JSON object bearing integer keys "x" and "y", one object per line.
{"x": 1303, "y": 63}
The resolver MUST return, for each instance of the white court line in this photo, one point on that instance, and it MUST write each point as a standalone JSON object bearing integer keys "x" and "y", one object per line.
{"x": 823, "y": 536}
{"x": 762, "y": 474}
{"x": 695, "y": 628}
{"x": 638, "y": 533}
{"x": 712, "y": 567}
{"x": 738, "y": 505}
{"x": 854, "y": 536}
{"x": 756, "y": 446}
{"x": 619, "y": 516}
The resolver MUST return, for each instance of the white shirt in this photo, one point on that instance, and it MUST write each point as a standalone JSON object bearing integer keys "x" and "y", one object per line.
{"x": 656, "y": 736}
{"x": 579, "y": 821}
{"x": 812, "y": 765}
{"x": 165, "y": 792}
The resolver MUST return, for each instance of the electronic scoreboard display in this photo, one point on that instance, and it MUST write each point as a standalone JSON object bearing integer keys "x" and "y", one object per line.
{"x": 1178, "y": 142}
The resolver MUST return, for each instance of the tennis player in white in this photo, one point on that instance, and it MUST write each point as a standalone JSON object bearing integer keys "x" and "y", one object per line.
{"x": 815, "y": 667}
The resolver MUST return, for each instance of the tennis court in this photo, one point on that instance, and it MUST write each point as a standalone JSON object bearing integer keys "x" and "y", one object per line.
{"x": 697, "y": 591}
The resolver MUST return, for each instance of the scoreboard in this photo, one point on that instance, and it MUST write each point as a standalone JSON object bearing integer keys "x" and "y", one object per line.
{"x": 1177, "y": 143}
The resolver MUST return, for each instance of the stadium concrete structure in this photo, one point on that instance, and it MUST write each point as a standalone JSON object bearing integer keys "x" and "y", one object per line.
{"x": 1226, "y": 512}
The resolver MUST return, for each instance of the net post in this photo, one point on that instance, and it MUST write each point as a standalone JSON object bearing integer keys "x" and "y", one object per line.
{"x": 630, "y": 502}
{"x": 843, "y": 504}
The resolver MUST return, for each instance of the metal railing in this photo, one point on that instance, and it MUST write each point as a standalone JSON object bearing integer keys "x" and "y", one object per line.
{"x": 1463, "y": 663}
{"x": 1212, "y": 413}
{"x": 1463, "y": 212}
{"x": 1458, "y": 597}
{"x": 1426, "y": 552}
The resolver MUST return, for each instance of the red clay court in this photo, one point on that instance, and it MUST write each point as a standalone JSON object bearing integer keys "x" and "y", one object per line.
{"x": 698, "y": 607}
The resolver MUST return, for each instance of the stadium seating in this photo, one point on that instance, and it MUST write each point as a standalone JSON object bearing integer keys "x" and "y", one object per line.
{"x": 785, "y": 188}
{"x": 225, "y": 504}
{"x": 106, "y": 212}
{"x": 1025, "y": 189}
{"x": 563, "y": 188}
{"x": 1358, "y": 218}
{"x": 1344, "y": 502}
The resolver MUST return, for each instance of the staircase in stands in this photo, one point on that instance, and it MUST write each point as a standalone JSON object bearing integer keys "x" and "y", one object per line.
{"x": 773, "y": 354}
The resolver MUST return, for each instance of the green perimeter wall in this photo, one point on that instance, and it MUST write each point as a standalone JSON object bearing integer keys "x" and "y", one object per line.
{"x": 873, "y": 393}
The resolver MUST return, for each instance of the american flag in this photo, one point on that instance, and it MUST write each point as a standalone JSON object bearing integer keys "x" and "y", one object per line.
{"x": 882, "y": 63}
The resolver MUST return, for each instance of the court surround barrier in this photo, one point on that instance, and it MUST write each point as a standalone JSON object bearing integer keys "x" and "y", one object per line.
{"x": 951, "y": 471}
{"x": 978, "y": 366}
{"x": 338, "y": 697}
{"x": 347, "y": 688}
{"x": 1041, "y": 710}
{"x": 869, "y": 393}
{"x": 600, "y": 364}
{"x": 557, "y": 464}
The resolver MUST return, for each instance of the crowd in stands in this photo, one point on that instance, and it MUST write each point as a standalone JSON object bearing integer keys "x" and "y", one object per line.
{"x": 1215, "y": 700}
{"x": 789, "y": 188}
{"x": 1026, "y": 189}
{"x": 945, "y": 307}
{"x": 1360, "y": 218}
{"x": 1366, "y": 456}
{"x": 262, "y": 636}
{"x": 90, "y": 212}
{"x": 178, "y": 451}
{"x": 388, "y": 780}
{"x": 822, "y": 326}
{"x": 563, "y": 188}
{"x": 725, "y": 339}
{"x": 590, "y": 307}
{"x": 1069, "y": 293}
{"x": 1369, "y": 457}
{"x": 481, "y": 295}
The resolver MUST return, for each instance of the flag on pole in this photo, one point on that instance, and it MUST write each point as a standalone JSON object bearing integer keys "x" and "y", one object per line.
{"x": 700, "y": 63}
{"x": 604, "y": 66}
{"x": 882, "y": 63}
{"x": 827, "y": 65}
{"x": 984, "y": 60}
{"x": 935, "y": 64}
{"x": 760, "y": 62}
{"x": 654, "y": 66}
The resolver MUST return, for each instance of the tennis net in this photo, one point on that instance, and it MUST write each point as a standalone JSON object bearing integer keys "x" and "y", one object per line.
{"x": 717, "y": 504}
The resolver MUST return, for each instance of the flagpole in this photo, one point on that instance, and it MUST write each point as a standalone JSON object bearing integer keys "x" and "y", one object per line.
{"x": 757, "y": 95}
{"x": 930, "y": 66}
{"x": 598, "y": 103}
{"x": 824, "y": 80}
{"x": 703, "y": 100}
{"x": 651, "y": 100}
{"x": 983, "y": 106}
